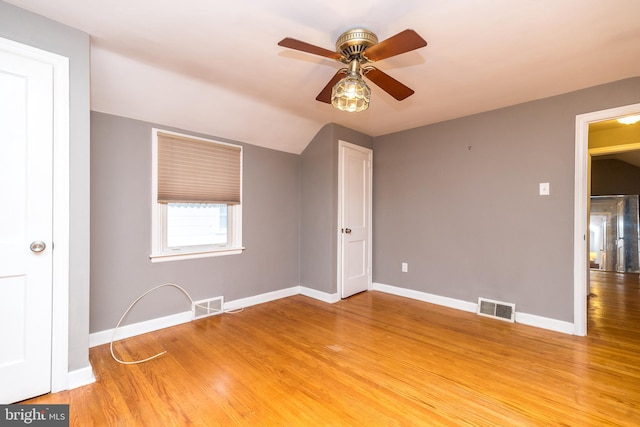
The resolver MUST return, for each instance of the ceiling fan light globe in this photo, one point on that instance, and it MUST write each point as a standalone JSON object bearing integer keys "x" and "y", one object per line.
{"x": 351, "y": 94}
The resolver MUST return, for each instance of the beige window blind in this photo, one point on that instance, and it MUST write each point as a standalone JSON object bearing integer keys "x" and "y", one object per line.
{"x": 196, "y": 171}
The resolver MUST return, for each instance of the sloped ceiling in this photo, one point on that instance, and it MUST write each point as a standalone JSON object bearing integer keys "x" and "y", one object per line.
{"x": 215, "y": 67}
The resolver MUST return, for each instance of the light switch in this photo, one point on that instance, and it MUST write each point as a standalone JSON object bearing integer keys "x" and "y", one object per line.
{"x": 544, "y": 189}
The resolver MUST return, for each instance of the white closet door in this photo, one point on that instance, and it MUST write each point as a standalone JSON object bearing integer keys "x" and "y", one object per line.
{"x": 26, "y": 219}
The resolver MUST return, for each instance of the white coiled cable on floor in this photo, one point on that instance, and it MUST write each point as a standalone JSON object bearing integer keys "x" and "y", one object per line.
{"x": 113, "y": 336}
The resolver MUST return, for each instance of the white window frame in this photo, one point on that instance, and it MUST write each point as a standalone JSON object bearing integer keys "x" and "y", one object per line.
{"x": 159, "y": 252}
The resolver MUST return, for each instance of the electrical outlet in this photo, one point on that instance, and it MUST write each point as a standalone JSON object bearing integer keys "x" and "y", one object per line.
{"x": 544, "y": 189}
{"x": 405, "y": 267}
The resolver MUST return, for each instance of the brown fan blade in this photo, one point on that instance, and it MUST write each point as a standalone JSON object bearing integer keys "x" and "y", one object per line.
{"x": 309, "y": 48}
{"x": 400, "y": 43}
{"x": 325, "y": 95}
{"x": 388, "y": 83}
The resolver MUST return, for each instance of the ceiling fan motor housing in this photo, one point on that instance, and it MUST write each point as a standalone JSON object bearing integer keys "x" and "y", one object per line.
{"x": 351, "y": 44}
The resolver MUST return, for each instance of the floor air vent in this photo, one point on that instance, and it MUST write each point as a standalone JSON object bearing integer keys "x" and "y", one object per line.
{"x": 207, "y": 307}
{"x": 496, "y": 309}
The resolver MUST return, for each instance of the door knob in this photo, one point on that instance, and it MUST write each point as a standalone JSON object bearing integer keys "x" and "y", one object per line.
{"x": 37, "y": 246}
{"x": 347, "y": 230}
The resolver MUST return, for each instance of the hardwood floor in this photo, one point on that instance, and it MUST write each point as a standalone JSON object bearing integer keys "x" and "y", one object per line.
{"x": 373, "y": 359}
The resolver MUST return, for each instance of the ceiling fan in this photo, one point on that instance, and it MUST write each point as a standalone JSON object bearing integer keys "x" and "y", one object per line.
{"x": 356, "y": 48}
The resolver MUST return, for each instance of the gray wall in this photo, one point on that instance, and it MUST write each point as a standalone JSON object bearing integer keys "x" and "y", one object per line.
{"x": 121, "y": 229}
{"x": 34, "y": 30}
{"x": 614, "y": 177}
{"x": 319, "y": 206}
{"x": 459, "y": 202}
{"x": 317, "y": 212}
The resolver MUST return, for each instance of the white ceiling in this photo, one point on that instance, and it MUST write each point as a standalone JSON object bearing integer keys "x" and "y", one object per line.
{"x": 215, "y": 67}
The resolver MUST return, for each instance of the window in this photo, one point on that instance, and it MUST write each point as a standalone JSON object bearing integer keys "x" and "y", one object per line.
{"x": 197, "y": 188}
{"x": 195, "y": 224}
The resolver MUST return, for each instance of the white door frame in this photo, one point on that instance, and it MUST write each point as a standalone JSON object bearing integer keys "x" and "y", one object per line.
{"x": 340, "y": 213}
{"x": 581, "y": 199}
{"x": 60, "y": 285}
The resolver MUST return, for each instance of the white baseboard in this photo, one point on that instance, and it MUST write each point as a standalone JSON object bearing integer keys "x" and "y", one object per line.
{"x": 426, "y": 297}
{"x": 321, "y": 296}
{"x": 262, "y": 298}
{"x": 524, "y": 318}
{"x": 80, "y": 377}
{"x": 545, "y": 323}
{"x": 126, "y": 331}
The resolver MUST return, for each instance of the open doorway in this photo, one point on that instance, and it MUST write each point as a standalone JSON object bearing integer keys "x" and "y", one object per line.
{"x": 614, "y": 257}
{"x": 614, "y": 147}
{"x": 585, "y": 151}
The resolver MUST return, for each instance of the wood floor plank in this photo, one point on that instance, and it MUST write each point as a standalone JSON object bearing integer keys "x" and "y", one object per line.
{"x": 373, "y": 359}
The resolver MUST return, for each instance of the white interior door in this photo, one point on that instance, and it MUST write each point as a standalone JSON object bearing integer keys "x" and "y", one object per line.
{"x": 355, "y": 219}
{"x": 26, "y": 220}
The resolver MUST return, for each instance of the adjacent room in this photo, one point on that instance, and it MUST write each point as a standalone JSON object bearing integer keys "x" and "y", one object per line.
{"x": 321, "y": 212}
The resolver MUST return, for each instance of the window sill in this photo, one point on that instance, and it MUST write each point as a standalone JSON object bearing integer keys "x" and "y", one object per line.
{"x": 194, "y": 255}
